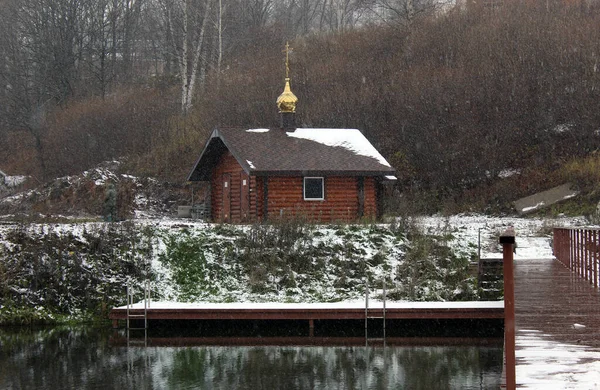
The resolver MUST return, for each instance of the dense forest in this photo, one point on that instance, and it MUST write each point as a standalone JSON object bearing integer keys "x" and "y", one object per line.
{"x": 458, "y": 97}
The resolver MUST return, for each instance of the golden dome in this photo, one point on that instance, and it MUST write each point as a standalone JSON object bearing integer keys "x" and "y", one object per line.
{"x": 286, "y": 102}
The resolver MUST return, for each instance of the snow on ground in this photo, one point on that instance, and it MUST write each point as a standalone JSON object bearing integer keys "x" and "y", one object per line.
{"x": 546, "y": 364}
{"x": 541, "y": 362}
{"x": 533, "y": 235}
{"x": 13, "y": 181}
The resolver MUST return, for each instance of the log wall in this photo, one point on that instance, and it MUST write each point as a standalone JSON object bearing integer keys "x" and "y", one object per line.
{"x": 285, "y": 196}
{"x": 370, "y": 210}
{"x": 341, "y": 203}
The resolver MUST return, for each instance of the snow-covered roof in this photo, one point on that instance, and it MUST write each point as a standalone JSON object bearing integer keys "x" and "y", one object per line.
{"x": 276, "y": 152}
{"x": 351, "y": 139}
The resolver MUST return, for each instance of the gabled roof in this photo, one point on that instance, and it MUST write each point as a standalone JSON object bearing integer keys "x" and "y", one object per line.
{"x": 275, "y": 152}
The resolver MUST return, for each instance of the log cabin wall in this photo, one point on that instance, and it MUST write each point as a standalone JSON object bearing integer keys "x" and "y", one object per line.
{"x": 286, "y": 197}
{"x": 370, "y": 188}
{"x": 341, "y": 203}
{"x": 254, "y": 198}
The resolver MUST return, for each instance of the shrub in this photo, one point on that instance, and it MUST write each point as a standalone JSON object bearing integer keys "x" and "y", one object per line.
{"x": 431, "y": 271}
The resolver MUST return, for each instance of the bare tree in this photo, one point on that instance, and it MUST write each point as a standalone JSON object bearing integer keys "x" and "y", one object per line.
{"x": 405, "y": 11}
{"x": 299, "y": 15}
{"x": 43, "y": 42}
{"x": 131, "y": 13}
{"x": 340, "y": 15}
{"x": 101, "y": 22}
{"x": 257, "y": 12}
{"x": 187, "y": 21}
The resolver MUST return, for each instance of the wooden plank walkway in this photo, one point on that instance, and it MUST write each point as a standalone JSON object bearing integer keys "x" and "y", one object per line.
{"x": 558, "y": 327}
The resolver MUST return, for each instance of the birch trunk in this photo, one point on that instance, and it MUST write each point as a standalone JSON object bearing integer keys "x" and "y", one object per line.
{"x": 188, "y": 48}
{"x": 193, "y": 76}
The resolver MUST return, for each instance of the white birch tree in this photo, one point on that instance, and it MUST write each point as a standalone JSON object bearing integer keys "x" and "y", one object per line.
{"x": 187, "y": 21}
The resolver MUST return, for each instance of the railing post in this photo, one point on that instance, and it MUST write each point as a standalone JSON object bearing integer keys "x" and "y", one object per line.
{"x": 561, "y": 246}
{"x": 577, "y": 252}
{"x": 590, "y": 265}
{"x": 508, "y": 242}
{"x": 555, "y": 243}
{"x": 559, "y": 238}
{"x": 574, "y": 250}
{"x": 588, "y": 250}
{"x": 366, "y": 312}
{"x": 595, "y": 257}
{"x": 567, "y": 247}
{"x": 581, "y": 253}
{"x": 571, "y": 248}
{"x": 564, "y": 243}
{"x": 558, "y": 244}
{"x": 584, "y": 250}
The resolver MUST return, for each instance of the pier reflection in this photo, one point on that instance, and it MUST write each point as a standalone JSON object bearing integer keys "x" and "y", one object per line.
{"x": 96, "y": 359}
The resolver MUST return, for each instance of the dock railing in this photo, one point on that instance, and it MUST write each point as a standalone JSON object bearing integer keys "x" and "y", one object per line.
{"x": 579, "y": 250}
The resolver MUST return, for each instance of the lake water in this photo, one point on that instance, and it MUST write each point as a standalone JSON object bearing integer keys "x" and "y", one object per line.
{"x": 89, "y": 358}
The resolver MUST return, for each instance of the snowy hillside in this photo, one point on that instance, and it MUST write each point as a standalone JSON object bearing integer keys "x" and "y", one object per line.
{"x": 84, "y": 196}
{"x": 533, "y": 235}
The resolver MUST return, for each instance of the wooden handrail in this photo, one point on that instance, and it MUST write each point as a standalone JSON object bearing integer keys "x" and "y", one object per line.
{"x": 579, "y": 250}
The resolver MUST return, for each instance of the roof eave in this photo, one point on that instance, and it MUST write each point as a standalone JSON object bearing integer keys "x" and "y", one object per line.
{"x": 213, "y": 135}
{"x": 321, "y": 173}
{"x": 216, "y": 134}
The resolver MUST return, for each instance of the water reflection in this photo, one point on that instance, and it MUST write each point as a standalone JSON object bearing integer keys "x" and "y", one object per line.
{"x": 84, "y": 359}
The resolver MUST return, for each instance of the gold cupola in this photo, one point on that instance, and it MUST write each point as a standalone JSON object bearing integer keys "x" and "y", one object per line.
{"x": 286, "y": 102}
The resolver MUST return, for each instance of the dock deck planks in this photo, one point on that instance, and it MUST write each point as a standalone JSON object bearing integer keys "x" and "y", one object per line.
{"x": 551, "y": 349}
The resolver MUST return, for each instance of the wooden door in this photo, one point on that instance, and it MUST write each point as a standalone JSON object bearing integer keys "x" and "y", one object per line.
{"x": 244, "y": 196}
{"x": 226, "y": 197}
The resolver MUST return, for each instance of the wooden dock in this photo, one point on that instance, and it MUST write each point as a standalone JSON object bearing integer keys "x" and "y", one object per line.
{"x": 321, "y": 315}
{"x": 317, "y": 311}
{"x": 558, "y": 327}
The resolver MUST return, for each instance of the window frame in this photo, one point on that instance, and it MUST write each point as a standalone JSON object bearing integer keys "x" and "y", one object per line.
{"x": 322, "y": 188}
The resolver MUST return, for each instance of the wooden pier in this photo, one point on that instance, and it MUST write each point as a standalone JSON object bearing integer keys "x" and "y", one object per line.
{"x": 558, "y": 327}
{"x": 315, "y": 313}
